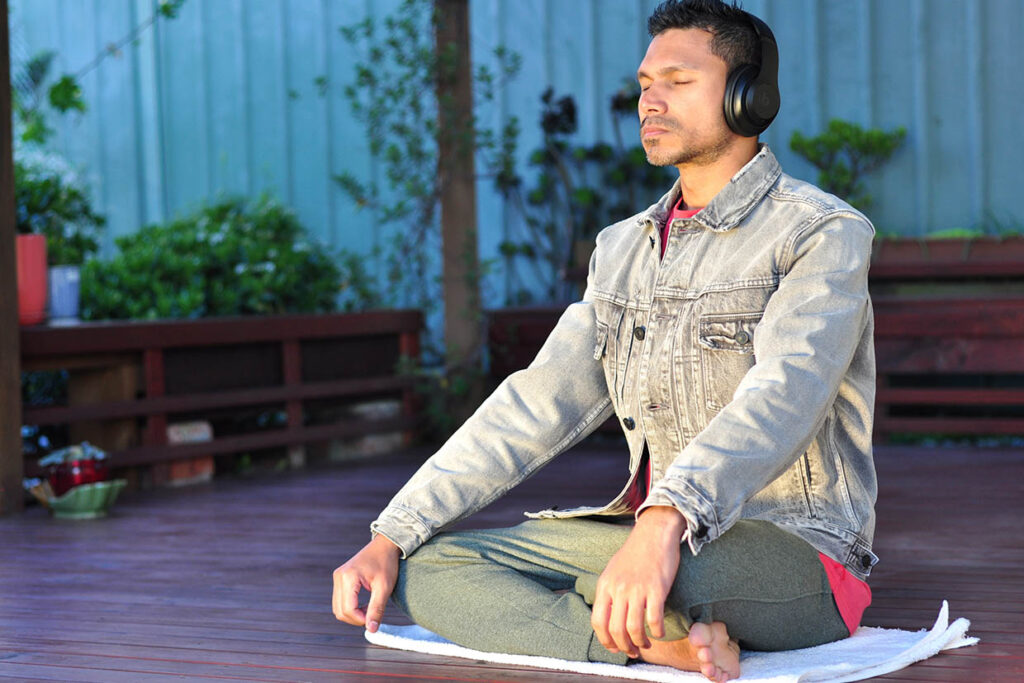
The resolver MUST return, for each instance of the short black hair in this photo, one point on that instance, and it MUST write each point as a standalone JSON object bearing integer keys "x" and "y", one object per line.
{"x": 733, "y": 37}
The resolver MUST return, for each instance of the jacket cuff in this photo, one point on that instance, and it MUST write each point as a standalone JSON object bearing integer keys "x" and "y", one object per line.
{"x": 701, "y": 522}
{"x": 402, "y": 528}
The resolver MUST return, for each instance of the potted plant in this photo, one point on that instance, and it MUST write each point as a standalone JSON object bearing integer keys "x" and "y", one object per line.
{"x": 56, "y": 223}
{"x": 77, "y": 483}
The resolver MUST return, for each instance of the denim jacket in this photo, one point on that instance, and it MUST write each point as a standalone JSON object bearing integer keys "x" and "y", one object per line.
{"x": 743, "y": 359}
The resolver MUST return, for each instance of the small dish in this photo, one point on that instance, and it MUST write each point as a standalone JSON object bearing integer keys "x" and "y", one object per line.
{"x": 88, "y": 501}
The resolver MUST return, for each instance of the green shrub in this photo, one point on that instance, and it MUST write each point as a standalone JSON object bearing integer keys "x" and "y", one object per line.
{"x": 50, "y": 201}
{"x": 233, "y": 258}
{"x": 844, "y": 154}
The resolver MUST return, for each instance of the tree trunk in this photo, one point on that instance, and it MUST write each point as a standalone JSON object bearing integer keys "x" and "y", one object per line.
{"x": 11, "y": 464}
{"x": 463, "y": 320}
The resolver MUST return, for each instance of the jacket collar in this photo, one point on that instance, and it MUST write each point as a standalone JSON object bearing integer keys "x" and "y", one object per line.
{"x": 732, "y": 203}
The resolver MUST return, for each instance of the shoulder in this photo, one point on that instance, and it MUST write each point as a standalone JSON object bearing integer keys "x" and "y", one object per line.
{"x": 815, "y": 208}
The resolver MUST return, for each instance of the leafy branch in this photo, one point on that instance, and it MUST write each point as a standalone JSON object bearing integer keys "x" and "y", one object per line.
{"x": 65, "y": 94}
{"x": 394, "y": 96}
{"x": 844, "y": 154}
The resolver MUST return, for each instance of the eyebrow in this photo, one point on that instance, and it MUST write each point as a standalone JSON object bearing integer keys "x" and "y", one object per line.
{"x": 668, "y": 69}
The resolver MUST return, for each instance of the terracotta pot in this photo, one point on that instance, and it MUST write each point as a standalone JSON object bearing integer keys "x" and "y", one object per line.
{"x": 31, "y": 250}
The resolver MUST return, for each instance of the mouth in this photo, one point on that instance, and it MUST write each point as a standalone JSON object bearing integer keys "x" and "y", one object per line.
{"x": 652, "y": 131}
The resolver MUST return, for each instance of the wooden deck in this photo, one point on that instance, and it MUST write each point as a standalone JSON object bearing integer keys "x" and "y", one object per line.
{"x": 232, "y": 580}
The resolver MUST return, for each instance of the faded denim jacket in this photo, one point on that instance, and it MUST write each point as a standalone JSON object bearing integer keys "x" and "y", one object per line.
{"x": 743, "y": 358}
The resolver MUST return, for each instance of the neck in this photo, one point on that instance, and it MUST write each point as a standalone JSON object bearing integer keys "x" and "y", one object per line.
{"x": 701, "y": 182}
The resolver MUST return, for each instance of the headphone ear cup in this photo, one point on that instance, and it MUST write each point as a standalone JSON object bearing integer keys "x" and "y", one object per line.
{"x": 739, "y": 119}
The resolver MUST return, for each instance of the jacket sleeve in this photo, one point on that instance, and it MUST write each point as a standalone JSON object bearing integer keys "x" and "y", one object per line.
{"x": 803, "y": 346}
{"x": 532, "y": 416}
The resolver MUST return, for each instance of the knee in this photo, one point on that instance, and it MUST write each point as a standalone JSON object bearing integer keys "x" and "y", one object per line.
{"x": 433, "y": 556}
{"x": 420, "y": 576}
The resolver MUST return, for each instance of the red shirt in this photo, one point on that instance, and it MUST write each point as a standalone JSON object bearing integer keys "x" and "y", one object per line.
{"x": 852, "y": 596}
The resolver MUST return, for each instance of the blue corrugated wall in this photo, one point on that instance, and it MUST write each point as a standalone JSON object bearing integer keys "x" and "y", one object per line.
{"x": 223, "y": 98}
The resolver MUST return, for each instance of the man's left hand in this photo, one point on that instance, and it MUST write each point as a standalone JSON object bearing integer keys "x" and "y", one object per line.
{"x": 632, "y": 589}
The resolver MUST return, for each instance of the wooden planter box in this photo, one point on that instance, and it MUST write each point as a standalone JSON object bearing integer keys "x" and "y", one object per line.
{"x": 129, "y": 380}
{"x": 947, "y": 259}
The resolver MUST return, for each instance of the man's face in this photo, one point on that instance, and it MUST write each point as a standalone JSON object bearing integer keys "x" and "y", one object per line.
{"x": 683, "y": 85}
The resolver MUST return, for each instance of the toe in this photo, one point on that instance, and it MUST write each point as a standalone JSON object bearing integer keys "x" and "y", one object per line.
{"x": 701, "y": 635}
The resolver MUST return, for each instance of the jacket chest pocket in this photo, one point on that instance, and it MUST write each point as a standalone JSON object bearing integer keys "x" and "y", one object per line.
{"x": 726, "y": 354}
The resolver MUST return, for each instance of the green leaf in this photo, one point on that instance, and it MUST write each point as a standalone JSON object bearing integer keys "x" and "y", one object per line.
{"x": 169, "y": 9}
{"x": 322, "y": 85}
{"x": 66, "y": 95}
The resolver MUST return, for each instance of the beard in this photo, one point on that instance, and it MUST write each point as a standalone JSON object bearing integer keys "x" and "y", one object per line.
{"x": 692, "y": 151}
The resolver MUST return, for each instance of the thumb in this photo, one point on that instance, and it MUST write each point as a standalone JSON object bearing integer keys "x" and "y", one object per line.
{"x": 375, "y": 609}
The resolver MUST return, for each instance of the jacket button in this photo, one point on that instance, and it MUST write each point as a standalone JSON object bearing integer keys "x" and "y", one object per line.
{"x": 865, "y": 561}
{"x": 742, "y": 337}
{"x": 629, "y": 423}
{"x": 640, "y": 332}
{"x": 702, "y": 530}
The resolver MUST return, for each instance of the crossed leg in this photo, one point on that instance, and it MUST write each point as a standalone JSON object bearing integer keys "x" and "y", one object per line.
{"x": 528, "y": 590}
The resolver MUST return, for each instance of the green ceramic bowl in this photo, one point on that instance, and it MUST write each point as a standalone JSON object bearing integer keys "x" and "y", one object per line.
{"x": 87, "y": 501}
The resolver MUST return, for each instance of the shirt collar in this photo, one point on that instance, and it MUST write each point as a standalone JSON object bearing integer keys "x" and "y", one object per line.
{"x": 732, "y": 203}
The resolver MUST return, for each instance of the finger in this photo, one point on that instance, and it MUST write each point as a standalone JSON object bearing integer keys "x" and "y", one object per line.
{"x": 379, "y": 595}
{"x": 599, "y": 621}
{"x": 350, "y": 612}
{"x": 617, "y": 627}
{"x": 635, "y": 618}
{"x": 337, "y": 599}
{"x": 656, "y": 617}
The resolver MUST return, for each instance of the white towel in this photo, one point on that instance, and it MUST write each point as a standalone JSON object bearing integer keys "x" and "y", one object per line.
{"x": 868, "y": 652}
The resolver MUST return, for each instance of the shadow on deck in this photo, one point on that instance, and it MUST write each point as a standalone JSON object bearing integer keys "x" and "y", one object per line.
{"x": 232, "y": 580}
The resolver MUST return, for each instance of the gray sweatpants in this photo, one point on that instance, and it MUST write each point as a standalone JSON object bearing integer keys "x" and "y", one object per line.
{"x": 528, "y": 589}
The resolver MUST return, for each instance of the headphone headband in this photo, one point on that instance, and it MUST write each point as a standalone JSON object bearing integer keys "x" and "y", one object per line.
{"x": 769, "y": 72}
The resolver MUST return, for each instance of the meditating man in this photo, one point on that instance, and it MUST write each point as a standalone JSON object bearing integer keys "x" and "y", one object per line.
{"x": 729, "y": 329}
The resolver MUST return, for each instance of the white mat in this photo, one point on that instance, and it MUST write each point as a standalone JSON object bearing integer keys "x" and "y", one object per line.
{"x": 868, "y": 652}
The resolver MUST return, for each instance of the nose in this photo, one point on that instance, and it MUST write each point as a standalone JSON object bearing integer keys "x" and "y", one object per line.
{"x": 651, "y": 101}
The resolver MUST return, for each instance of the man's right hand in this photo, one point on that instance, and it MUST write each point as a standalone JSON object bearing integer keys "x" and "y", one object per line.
{"x": 374, "y": 568}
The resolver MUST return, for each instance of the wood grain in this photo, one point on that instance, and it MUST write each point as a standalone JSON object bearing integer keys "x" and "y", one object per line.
{"x": 232, "y": 580}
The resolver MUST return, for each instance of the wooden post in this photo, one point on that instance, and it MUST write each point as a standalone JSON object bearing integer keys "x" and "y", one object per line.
{"x": 409, "y": 347}
{"x": 153, "y": 371}
{"x": 11, "y": 462}
{"x": 291, "y": 365}
{"x": 456, "y": 149}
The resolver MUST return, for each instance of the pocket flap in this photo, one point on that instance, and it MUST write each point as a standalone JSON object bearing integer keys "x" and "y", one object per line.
{"x": 729, "y": 332}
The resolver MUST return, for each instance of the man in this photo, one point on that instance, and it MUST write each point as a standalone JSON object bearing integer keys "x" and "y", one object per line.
{"x": 729, "y": 328}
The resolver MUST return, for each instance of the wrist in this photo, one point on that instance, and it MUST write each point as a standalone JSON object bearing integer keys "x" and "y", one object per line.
{"x": 382, "y": 543}
{"x": 664, "y": 519}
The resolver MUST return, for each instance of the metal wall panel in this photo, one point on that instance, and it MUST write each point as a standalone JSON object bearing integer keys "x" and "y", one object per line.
{"x": 222, "y": 99}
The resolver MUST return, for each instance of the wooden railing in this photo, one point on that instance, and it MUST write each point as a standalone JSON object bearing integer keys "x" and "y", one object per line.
{"x": 122, "y": 374}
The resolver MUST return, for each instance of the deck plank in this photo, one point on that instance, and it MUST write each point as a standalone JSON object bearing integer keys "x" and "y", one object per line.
{"x": 231, "y": 580}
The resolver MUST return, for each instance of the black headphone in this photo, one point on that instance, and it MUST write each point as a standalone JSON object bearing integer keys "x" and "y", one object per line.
{"x": 751, "y": 92}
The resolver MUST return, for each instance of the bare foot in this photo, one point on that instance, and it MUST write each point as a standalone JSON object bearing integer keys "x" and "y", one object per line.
{"x": 708, "y": 650}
